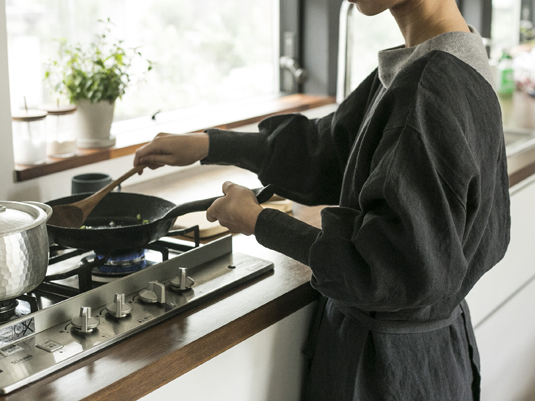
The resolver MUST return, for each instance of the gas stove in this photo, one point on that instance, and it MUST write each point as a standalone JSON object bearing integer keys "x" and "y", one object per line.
{"x": 90, "y": 301}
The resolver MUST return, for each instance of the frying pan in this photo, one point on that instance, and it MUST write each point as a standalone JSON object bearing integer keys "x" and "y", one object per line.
{"x": 123, "y": 209}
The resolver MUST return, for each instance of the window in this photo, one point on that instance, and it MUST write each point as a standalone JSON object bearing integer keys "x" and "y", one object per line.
{"x": 505, "y": 24}
{"x": 365, "y": 37}
{"x": 204, "y": 51}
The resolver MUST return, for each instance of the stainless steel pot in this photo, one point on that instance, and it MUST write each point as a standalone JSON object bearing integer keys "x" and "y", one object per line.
{"x": 24, "y": 247}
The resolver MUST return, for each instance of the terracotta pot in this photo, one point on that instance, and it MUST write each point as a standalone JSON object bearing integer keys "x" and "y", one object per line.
{"x": 94, "y": 124}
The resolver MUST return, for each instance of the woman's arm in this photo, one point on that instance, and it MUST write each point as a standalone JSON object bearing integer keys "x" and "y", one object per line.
{"x": 173, "y": 150}
{"x": 305, "y": 158}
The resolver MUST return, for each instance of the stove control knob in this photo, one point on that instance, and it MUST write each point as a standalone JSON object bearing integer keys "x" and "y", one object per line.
{"x": 118, "y": 308}
{"x": 84, "y": 322}
{"x": 155, "y": 292}
{"x": 182, "y": 282}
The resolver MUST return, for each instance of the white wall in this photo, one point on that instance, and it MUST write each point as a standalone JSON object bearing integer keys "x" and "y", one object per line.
{"x": 6, "y": 143}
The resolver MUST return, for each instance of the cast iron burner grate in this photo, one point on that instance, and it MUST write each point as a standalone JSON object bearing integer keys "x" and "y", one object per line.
{"x": 11, "y": 309}
{"x": 7, "y": 309}
{"x": 116, "y": 263}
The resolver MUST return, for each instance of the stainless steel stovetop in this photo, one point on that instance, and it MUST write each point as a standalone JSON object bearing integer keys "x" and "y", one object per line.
{"x": 39, "y": 343}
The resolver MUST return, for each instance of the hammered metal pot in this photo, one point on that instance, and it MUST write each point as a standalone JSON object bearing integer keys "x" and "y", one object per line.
{"x": 24, "y": 247}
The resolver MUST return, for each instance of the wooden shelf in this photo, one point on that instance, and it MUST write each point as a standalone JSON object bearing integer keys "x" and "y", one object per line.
{"x": 224, "y": 119}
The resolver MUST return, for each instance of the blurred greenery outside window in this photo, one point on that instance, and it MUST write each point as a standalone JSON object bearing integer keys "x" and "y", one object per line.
{"x": 205, "y": 52}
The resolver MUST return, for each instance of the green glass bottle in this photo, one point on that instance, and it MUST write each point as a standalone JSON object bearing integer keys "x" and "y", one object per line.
{"x": 505, "y": 77}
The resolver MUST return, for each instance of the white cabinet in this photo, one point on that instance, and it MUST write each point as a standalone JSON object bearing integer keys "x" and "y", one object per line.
{"x": 265, "y": 367}
{"x": 502, "y": 305}
{"x": 507, "y": 347}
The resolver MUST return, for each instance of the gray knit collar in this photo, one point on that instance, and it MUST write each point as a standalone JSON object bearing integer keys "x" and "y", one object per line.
{"x": 466, "y": 46}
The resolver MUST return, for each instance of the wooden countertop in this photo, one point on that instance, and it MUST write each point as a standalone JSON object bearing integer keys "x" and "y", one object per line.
{"x": 146, "y": 361}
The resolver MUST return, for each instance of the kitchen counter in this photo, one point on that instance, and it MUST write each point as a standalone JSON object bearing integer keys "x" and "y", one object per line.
{"x": 519, "y": 122}
{"x": 154, "y": 357}
{"x": 150, "y": 359}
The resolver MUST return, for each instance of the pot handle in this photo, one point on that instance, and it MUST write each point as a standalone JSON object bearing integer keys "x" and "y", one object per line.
{"x": 45, "y": 207}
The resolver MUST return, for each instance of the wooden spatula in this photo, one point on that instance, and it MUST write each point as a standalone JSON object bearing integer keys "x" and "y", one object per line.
{"x": 74, "y": 214}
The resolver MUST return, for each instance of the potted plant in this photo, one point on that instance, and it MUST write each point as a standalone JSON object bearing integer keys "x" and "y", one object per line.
{"x": 93, "y": 77}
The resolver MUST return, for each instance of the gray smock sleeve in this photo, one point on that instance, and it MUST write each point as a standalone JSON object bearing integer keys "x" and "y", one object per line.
{"x": 305, "y": 158}
{"x": 296, "y": 154}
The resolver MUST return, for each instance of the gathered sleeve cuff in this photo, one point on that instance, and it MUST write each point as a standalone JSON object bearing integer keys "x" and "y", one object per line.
{"x": 290, "y": 236}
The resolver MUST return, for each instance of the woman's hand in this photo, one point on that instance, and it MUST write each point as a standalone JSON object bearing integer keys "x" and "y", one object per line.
{"x": 238, "y": 210}
{"x": 173, "y": 150}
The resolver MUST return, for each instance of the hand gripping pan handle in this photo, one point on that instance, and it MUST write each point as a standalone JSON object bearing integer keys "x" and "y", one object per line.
{"x": 262, "y": 195}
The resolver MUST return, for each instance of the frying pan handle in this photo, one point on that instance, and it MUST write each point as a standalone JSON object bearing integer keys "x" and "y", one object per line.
{"x": 262, "y": 195}
{"x": 265, "y": 193}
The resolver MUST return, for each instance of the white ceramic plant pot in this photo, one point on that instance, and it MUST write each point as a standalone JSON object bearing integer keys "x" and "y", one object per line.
{"x": 94, "y": 124}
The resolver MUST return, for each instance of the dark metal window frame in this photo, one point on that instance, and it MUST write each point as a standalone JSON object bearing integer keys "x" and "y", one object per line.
{"x": 315, "y": 25}
{"x": 290, "y": 30}
{"x": 478, "y": 13}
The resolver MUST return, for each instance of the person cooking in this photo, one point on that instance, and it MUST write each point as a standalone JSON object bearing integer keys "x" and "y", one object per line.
{"x": 415, "y": 160}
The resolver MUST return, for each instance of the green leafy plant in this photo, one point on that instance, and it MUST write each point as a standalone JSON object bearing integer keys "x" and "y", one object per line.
{"x": 99, "y": 71}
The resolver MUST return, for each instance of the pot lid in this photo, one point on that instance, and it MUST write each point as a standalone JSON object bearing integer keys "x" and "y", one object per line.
{"x": 19, "y": 216}
{"x": 59, "y": 109}
{"x": 29, "y": 115}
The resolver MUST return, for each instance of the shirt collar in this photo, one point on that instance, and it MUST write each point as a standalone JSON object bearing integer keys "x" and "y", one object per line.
{"x": 466, "y": 46}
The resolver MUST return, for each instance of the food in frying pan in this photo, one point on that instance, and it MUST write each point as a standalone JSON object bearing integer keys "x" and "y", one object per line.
{"x": 138, "y": 217}
{"x": 101, "y": 223}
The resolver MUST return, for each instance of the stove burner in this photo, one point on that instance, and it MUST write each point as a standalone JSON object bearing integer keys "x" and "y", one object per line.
{"x": 95, "y": 268}
{"x": 122, "y": 262}
{"x": 124, "y": 258}
{"x": 7, "y": 309}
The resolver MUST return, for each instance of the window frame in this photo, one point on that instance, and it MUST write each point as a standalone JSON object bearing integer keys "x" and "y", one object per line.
{"x": 131, "y": 134}
{"x": 478, "y": 13}
{"x": 289, "y": 20}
